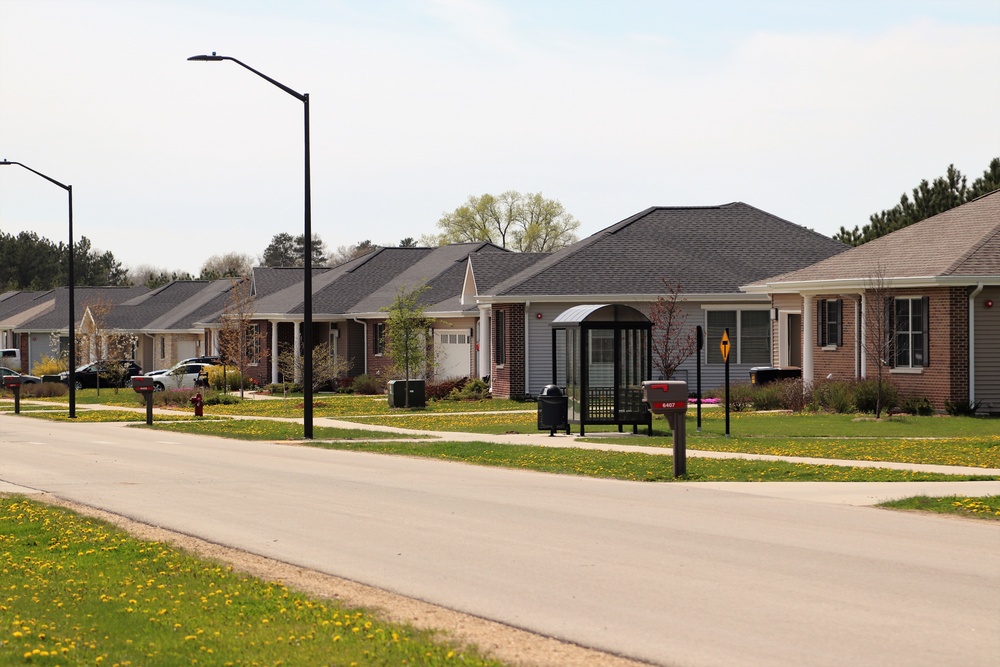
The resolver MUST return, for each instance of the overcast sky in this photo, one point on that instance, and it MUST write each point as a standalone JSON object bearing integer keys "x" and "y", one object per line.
{"x": 819, "y": 112}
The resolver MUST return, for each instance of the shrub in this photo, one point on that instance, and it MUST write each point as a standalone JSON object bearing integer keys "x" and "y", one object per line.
{"x": 866, "y": 395}
{"x": 741, "y": 396}
{"x": 769, "y": 396}
{"x": 833, "y": 396}
{"x": 177, "y": 398}
{"x": 221, "y": 398}
{"x": 217, "y": 375}
{"x": 792, "y": 395}
{"x": 917, "y": 406}
{"x": 365, "y": 384}
{"x": 50, "y": 366}
{"x": 962, "y": 408}
{"x": 444, "y": 388}
{"x": 473, "y": 390}
{"x": 44, "y": 389}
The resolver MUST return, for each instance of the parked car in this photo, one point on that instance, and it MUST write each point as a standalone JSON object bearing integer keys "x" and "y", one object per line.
{"x": 26, "y": 379}
{"x": 88, "y": 374}
{"x": 182, "y": 376}
{"x": 211, "y": 360}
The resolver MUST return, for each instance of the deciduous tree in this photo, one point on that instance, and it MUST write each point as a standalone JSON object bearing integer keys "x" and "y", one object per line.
{"x": 241, "y": 341}
{"x": 522, "y": 222}
{"x": 672, "y": 345}
{"x": 407, "y": 336}
{"x": 286, "y": 250}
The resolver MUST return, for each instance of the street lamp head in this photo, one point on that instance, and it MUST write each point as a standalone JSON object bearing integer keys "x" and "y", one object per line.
{"x": 212, "y": 57}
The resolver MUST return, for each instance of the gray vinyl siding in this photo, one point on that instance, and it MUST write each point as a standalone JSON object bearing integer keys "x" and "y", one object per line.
{"x": 540, "y": 349}
{"x": 987, "y": 350}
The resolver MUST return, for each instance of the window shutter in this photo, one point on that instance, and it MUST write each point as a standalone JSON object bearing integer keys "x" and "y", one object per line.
{"x": 840, "y": 323}
{"x": 821, "y": 323}
{"x": 890, "y": 331}
{"x": 926, "y": 338}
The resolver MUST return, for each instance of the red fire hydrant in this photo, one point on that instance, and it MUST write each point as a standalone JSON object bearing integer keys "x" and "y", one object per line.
{"x": 199, "y": 405}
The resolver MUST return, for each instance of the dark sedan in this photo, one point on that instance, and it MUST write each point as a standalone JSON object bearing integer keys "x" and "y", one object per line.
{"x": 110, "y": 373}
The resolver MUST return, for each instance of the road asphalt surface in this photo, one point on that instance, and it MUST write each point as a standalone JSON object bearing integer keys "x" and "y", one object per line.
{"x": 670, "y": 573}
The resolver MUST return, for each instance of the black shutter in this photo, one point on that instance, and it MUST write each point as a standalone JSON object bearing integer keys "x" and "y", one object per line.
{"x": 821, "y": 323}
{"x": 840, "y": 323}
{"x": 890, "y": 331}
{"x": 926, "y": 338}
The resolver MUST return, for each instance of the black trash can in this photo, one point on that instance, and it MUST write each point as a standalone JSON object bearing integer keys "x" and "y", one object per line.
{"x": 763, "y": 374}
{"x": 397, "y": 394}
{"x": 553, "y": 410}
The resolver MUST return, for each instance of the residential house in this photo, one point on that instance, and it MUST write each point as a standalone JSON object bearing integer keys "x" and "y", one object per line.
{"x": 923, "y": 300}
{"x": 350, "y": 303}
{"x": 38, "y": 322}
{"x": 709, "y": 251}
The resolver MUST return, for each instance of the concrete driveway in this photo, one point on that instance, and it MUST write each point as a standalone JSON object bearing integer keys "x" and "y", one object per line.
{"x": 674, "y": 574}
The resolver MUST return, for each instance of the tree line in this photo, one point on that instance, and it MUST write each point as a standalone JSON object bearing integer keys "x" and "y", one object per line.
{"x": 929, "y": 199}
{"x": 31, "y": 262}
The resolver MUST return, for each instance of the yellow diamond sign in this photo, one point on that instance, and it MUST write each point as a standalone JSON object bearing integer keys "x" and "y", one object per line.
{"x": 724, "y": 346}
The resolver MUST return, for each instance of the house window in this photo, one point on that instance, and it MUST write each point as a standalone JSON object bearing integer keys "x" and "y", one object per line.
{"x": 253, "y": 344}
{"x": 500, "y": 338}
{"x": 749, "y": 336}
{"x": 379, "y": 343}
{"x": 829, "y": 325}
{"x": 602, "y": 346}
{"x": 163, "y": 347}
{"x": 909, "y": 334}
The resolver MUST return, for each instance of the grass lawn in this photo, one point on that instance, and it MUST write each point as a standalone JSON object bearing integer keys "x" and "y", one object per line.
{"x": 265, "y": 429}
{"x": 987, "y": 507}
{"x": 78, "y": 591}
{"x": 324, "y": 405}
{"x": 94, "y": 416}
{"x": 637, "y": 466}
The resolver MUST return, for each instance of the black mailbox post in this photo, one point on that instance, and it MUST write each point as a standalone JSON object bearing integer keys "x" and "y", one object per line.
{"x": 144, "y": 385}
{"x": 13, "y": 382}
{"x": 553, "y": 408}
{"x": 670, "y": 398}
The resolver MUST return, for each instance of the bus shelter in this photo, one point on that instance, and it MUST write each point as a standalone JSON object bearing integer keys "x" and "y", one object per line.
{"x": 604, "y": 353}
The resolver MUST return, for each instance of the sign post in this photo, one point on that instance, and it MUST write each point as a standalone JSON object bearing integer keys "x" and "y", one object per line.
{"x": 700, "y": 339}
{"x": 724, "y": 348}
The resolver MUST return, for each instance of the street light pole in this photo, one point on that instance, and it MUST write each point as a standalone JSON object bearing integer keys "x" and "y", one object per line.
{"x": 71, "y": 280}
{"x": 307, "y": 334}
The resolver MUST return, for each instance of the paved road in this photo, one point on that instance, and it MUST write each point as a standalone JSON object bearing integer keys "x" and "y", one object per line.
{"x": 676, "y": 574}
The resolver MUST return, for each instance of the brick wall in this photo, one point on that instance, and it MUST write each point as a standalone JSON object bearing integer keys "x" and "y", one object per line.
{"x": 508, "y": 379}
{"x": 840, "y": 362}
{"x": 946, "y": 377}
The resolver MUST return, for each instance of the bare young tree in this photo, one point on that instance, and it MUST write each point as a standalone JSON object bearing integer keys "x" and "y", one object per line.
{"x": 877, "y": 330}
{"x": 326, "y": 367}
{"x": 242, "y": 343}
{"x": 671, "y": 344}
{"x": 109, "y": 346}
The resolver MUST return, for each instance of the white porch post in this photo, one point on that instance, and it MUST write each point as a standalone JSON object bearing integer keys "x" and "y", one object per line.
{"x": 808, "y": 338}
{"x": 485, "y": 341}
{"x": 274, "y": 351}
{"x": 298, "y": 352}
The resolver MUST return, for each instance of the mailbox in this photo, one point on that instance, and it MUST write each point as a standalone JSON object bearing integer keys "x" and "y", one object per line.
{"x": 142, "y": 384}
{"x": 12, "y": 381}
{"x": 665, "y": 396}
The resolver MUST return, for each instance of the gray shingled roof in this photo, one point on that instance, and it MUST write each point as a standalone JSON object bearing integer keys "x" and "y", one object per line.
{"x": 442, "y": 270}
{"x": 57, "y": 317}
{"x": 711, "y": 249}
{"x": 964, "y": 241}
{"x": 174, "y": 306}
{"x": 490, "y": 269}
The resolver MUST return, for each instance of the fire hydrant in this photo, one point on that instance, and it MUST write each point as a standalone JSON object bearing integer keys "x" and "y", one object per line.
{"x": 199, "y": 405}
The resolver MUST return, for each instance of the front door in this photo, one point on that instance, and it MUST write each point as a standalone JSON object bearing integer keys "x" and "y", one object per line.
{"x": 794, "y": 340}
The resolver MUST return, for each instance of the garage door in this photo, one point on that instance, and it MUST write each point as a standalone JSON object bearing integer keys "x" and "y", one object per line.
{"x": 452, "y": 353}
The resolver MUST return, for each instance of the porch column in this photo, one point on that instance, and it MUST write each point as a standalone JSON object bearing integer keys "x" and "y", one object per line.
{"x": 808, "y": 338}
{"x": 298, "y": 352}
{"x": 274, "y": 351}
{"x": 485, "y": 341}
